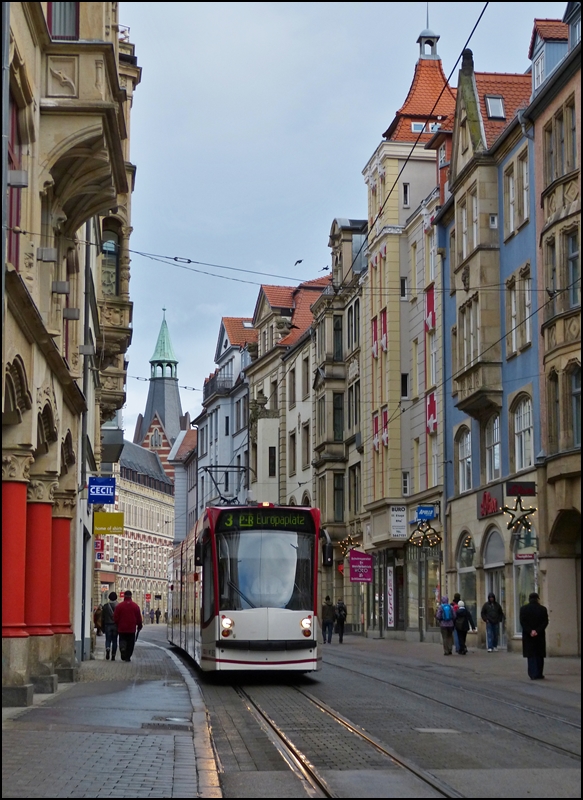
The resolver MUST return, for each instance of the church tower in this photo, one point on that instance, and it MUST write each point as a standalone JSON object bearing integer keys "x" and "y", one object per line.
{"x": 162, "y": 421}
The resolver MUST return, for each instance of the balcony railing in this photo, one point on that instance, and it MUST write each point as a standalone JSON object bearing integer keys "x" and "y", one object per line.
{"x": 217, "y": 385}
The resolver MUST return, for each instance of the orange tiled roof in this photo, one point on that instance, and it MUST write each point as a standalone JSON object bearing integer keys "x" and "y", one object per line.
{"x": 305, "y": 296}
{"x": 548, "y": 29}
{"x": 188, "y": 445}
{"x": 279, "y": 296}
{"x": 240, "y": 334}
{"x": 515, "y": 89}
{"x": 428, "y": 81}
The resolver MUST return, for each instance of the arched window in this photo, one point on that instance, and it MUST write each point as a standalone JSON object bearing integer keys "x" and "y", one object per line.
{"x": 493, "y": 448}
{"x": 156, "y": 439}
{"x": 110, "y": 264}
{"x": 463, "y": 455}
{"x": 306, "y": 500}
{"x": 494, "y": 551}
{"x": 523, "y": 457}
{"x": 466, "y": 570}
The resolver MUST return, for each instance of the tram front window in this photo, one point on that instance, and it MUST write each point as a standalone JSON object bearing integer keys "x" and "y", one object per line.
{"x": 265, "y": 569}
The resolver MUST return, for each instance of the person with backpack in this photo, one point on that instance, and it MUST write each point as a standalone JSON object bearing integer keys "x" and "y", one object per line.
{"x": 110, "y": 627}
{"x": 445, "y": 616}
{"x": 341, "y": 612}
{"x": 456, "y": 598}
{"x": 462, "y": 624}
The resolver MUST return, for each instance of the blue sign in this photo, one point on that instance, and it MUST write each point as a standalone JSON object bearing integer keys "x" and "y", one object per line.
{"x": 101, "y": 490}
{"x": 425, "y": 512}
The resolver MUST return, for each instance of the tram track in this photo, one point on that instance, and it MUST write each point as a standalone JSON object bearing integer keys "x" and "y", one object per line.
{"x": 314, "y": 782}
{"x": 458, "y": 708}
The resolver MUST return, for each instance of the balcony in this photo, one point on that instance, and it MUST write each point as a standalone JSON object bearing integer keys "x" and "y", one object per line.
{"x": 217, "y": 385}
{"x": 479, "y": 389}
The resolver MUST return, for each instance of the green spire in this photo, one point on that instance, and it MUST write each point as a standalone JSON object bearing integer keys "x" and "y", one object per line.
{"x": 164, "y": 354}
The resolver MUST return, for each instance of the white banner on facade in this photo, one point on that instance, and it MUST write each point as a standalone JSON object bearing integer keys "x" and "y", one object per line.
{"x": 390, "y": 599}
{"x": 398, "y": 522}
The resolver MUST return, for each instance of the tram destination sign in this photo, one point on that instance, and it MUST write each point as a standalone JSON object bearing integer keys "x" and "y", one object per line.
{"x": 272, "y": 519}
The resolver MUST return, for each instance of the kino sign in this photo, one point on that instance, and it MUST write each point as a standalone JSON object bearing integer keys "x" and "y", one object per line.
{"x": 101, "y": 490}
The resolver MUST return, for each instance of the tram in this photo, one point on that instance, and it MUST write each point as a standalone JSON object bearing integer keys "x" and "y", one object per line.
{"x": 244, "y": 589}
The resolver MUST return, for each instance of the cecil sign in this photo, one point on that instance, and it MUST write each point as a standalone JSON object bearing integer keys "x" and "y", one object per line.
{"x": 101, "y": 490}
{"x": 360, "y": 567}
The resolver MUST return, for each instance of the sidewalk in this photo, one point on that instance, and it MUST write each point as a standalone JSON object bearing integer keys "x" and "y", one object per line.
{"x": 135, "y": 729}
{"x": 141, "y": 729}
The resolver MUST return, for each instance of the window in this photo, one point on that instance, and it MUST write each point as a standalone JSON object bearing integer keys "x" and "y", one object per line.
{"x": 575, "y": 380}
{"x": 575, "y": 32}
{"x": 292, "y": 454}
{"x": 442, "y": 155}
{"x": 539, "y": 70}
{"x": 467, "y": 573}
{"x": 306, "y": 376}
{"x": 337, "y": 345}
{"x": 414, "y": 365}
{"x": 375, "y": 337}
{"x": 338, "y": 416}
{"x": 383, "y": 340}
{"x": 495, "y": 107}
{"x": 63, "y": 20}
{"x": 354, "y": 490}
{"x": 321, "y": 499}
{"x": 493, "y": 448}
{"x": 475, "y": 220}
{"x": 572, "y": 117}
{"x": 404, "y": 384}
{"x": 403, "y": 288}
{"x": 156, "y": 439}
{"x": 264, "y": 341}
{"x": 554, "y": 412}
{"x": 432, "y": 358}
{"x": 270, "y": 336}
{"x": 321, "y": 340}
{"x": 350, "y": 331}
{"x": 413, "y": 269}
{"x": 464, "y": 230}
{"x": 357, "y": 404}
{"x": 350, "y": 408}
{"x": 226, "y": 426}
{"x": 560, "y": 138}
{"x": 469, "y": 330}
{"x": 375, "y": 432}
{"x": 526, "y": 304}
{"x": 406, "y": 195}
{"x": 405, "y": 483}
{"x": 14, "y": 162}
{"x": 356, "y": 323}
{"x": 306, "y": 449}
{"x": 509, "y": 201}
{"x": 417, "y": 127}
{"x": 512, "y": 318}
{"x": 273, "y": 395}
{"x": 292, "y": 388}
{"x": 523, "y": 188}
{"x": 321, "y": 418}
{"x": 551, "y": 275}
{"x": 431, "y": 254}
{"x": 272, "y": 462}
{"x": 523, "y": 435}
{"x": 434, "y": 461}
{"x": 338, "y": 497}
{"x": 573, "y": 270}
{"x": 110, "y": 264}
{"x": 464, "y": 458}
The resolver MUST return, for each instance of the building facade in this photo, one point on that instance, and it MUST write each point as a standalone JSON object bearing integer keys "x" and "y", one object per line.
{"x": 66, "y": 320}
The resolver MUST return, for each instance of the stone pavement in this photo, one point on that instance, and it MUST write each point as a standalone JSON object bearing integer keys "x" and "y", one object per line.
{"x": 135, "y": 729}
{"x": 141, "y": 729}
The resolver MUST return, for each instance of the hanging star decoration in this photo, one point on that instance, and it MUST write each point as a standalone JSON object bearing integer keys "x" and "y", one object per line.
{"x": 347, "y": 544}
{"x": 424, "y": 535}
{"x": 519, "y": 516}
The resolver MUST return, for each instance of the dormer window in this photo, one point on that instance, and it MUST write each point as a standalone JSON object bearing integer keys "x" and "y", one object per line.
{"x": 539, "y": 70}
{"x": 417, "y": 127}
{"x": 495, "y": 107}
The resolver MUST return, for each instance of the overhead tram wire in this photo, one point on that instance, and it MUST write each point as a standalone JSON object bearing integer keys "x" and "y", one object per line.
{"x": 446, "y": 85}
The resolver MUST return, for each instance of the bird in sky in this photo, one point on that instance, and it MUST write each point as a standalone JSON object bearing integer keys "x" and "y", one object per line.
{"x": 324, "y": 269}
{"x": 299, "y": 261}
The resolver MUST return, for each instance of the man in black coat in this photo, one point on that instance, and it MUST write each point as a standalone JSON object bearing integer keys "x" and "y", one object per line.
{"x": 534, "y": 619}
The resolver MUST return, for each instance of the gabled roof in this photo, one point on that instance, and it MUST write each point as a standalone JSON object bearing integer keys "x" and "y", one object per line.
{"x": 305, "y": 296}
{"x": 550, "y": 30}
{"x": 278, "y": 296}
{"x": 515, "y": 90}
{"x": 428, "y": 82}
{"x": 240, "y": 334}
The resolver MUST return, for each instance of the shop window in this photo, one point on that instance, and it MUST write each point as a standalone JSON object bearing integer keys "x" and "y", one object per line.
{"x": 466, "y": 569}
{"x": 524, "y": 576}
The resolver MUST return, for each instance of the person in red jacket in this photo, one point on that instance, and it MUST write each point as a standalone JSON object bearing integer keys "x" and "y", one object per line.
{"x": 128, "y": 618}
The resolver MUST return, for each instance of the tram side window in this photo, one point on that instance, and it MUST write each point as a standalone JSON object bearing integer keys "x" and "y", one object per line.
{"x": 208, "y": 599}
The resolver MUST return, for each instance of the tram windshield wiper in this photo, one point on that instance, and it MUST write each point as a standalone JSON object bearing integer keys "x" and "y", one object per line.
{"x": 240, "y": 593}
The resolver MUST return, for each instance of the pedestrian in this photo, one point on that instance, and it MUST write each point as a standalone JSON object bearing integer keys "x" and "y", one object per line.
{"x": 463, "y": 623}
{"x": 327, "y": 619}
{"x": 158, "y": 615}
{"x": 456, "y": 598}
{"x": 341, "y": 612}
{"x": 445, "y": 616}
{"x": 128, "y": 618}
{"x": 493, "y": 615}
{"x": 152, "y": 616}
{"x": 97, "y": 620}
{"x": 534, "y": 619}
{"x": 109, "y": 626}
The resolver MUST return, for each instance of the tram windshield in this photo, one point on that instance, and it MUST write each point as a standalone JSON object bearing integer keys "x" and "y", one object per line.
{"x": 265, "y": 569}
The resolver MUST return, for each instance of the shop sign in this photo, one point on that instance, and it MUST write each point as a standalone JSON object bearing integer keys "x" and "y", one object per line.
{"x": 101, "y": 490}
{"x": 148, "y": 596}
{"x": 524, "y": 556}
{"x": 99, "y": 545}
{"x": 360, "y": 567}
{"x": 398, "y": 522}
{"x": 490, "y": 501}
{"x": 108, "y": 524}
{"x": 99, "y": 556}
{"x": 521, "y": 488}
{"x": 425, "y": 513}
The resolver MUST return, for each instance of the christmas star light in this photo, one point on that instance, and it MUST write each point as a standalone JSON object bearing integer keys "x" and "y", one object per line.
{"x": 519, "y": 516}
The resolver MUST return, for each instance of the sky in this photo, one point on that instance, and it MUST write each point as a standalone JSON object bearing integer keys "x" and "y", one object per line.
{"x": 250, "y": 130}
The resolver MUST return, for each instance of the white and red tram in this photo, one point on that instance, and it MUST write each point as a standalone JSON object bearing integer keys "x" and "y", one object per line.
{"x": 244, "y": 589}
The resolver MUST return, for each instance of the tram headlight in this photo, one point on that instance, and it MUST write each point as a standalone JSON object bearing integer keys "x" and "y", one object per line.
{"x": 306, "y": 625}
{"x": 227, "y": 623}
